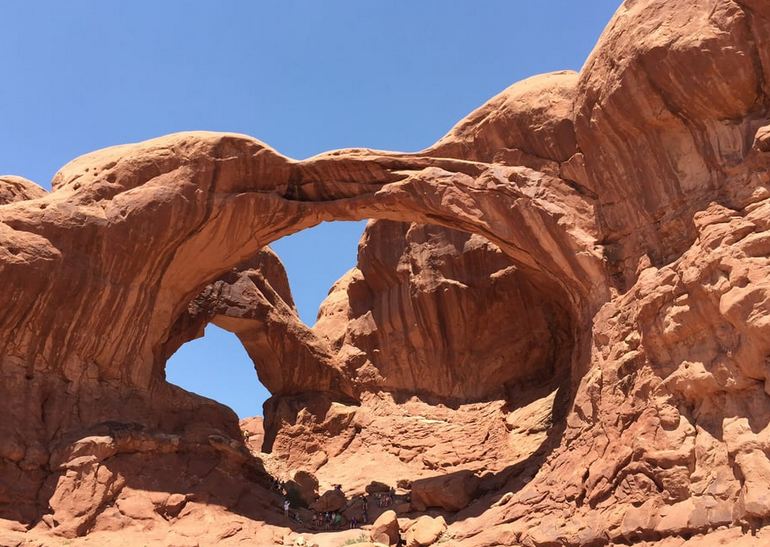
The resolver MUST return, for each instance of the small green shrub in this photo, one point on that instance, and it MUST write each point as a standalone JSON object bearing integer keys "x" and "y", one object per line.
{"x": 363, "y": 538}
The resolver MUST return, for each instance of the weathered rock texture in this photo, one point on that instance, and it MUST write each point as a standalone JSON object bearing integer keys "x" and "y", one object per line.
{"x": 18, "y": 189}
{"x": 591, "y": 366}
{"x": 442, "y": 313}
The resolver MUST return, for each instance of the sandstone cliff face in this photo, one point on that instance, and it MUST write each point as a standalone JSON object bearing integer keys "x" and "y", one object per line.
{"x": 435, "y": 312}
{"x": 595, "y": 355}
{"x": 662, "y": 143}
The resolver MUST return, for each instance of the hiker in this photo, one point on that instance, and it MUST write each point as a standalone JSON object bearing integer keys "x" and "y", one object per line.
{"x": 337, "y": 521}
{"x": 383, "y": 500}
{"x": 286, "y": 505}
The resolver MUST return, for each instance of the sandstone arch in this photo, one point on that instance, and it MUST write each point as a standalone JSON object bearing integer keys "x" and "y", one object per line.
{"x": 138, "y": 231}
{"x": 635, "y": 192}
{"x": 199, "y": 204}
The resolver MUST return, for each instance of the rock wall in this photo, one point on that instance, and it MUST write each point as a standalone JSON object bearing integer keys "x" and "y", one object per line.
{"x": 443, "y": 314}
{"x": 596, "y": 353}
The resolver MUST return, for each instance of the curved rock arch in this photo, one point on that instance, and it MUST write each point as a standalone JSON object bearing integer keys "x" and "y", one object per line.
{"x": 157, "y": 221}
{"x": 131, "y": 234}
{"x": 644, "y": 180}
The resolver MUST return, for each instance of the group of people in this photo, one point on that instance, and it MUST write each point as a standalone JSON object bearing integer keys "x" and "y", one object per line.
{"x": 328, "y": 520}
{"x": 364, "y": 510}
{"x": 334, "y": 520}
{"x": 385, "y": 499}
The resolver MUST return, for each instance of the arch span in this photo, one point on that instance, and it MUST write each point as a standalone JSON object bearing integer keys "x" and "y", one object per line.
{"x": 149, "y": 225}
{"x": 131, "y": 235}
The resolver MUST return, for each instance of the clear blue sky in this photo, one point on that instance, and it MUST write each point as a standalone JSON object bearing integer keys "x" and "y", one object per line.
{"x": 304, "y": 76}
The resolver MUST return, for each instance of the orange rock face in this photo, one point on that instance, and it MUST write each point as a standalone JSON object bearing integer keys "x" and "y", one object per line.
{"x": 557, "y": 331}
{"x": 18, "y": 189}
{"x": 407, "y": 319}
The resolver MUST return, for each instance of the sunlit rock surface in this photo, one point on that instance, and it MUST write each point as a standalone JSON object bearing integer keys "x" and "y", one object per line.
{"x": 557, "y": 332}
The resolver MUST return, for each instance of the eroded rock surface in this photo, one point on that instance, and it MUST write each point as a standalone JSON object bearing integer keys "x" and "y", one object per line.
{"x": 562, "y": 314}
{"x": 407, "y": 319}
{"x": 14, "y": 188}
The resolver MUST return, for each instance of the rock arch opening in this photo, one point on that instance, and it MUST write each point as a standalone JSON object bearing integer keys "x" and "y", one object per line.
{"x": 314, "y": 259}
{"x": 432, "y": 326}
{"x": 217, "y": 366}
{"x": 411, "y": 328}
{"x": 183, "y": 245}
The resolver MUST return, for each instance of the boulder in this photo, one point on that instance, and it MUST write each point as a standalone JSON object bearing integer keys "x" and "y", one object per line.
{"x": 331, "y": 500}
{"x": 451, "y": 492}
{"x": 375, "y": 487}
{"x": 425, "y": 531}
{"x": 137, "y": 506}
{"x": 386, "y": 525}
{"x": 302, "y": 489}
{"x": 355, "y": 509}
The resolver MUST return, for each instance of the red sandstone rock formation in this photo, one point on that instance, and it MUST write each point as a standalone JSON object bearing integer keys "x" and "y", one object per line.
{"x": 18, "y": 189}
{"x": 590, "y": 367}
{"x": 407, "y": 319}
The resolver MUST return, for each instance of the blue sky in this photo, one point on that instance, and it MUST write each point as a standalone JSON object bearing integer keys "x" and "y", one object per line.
{"x": 304, "y": 76}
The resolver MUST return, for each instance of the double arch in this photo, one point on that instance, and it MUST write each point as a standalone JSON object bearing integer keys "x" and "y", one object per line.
{"x": 133, "y": 233}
